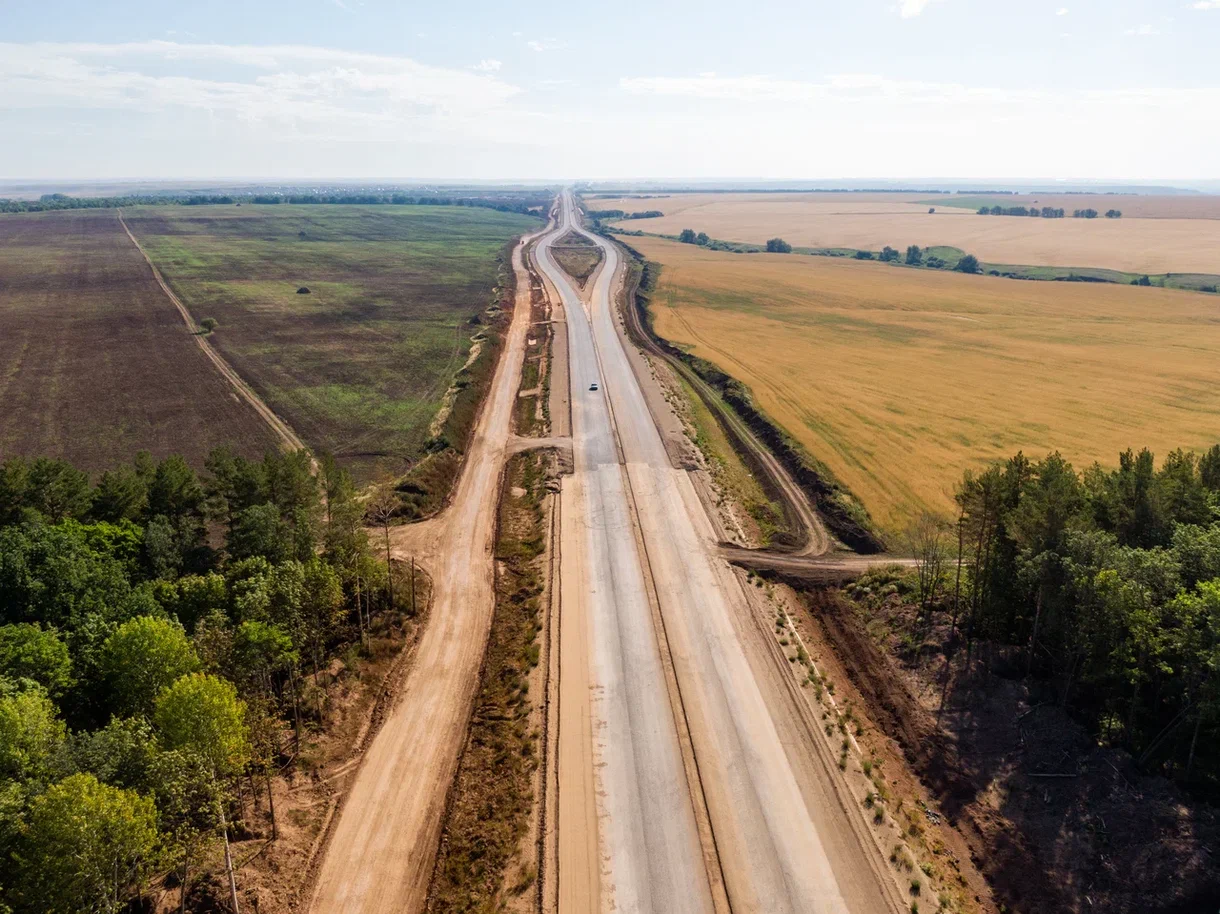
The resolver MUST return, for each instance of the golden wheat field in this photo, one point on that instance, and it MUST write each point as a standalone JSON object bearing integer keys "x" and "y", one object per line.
{"x": 1165, "y": 244}
{"x": 900, "y": 379}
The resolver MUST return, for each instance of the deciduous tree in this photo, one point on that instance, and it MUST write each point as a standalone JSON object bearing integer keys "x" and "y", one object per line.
{"x": 86, "y": 847}
{"x": 145, "y": 656}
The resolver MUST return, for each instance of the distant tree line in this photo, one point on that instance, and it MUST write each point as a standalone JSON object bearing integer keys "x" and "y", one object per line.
{"x": 1046, "y": 212}
{"x": 1107, "y": 584}
{"x": 164, "y": 638}
{"x": 621, "y": 214}
{"x": 602, "y": 193}
{"x": 515, "y": 204}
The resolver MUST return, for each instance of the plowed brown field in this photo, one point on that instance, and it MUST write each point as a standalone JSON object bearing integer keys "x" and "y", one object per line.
{"x": 359, "y": 365}
{"x": 95, "y": 361}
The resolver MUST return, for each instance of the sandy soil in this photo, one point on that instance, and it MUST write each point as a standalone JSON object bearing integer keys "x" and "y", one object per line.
{"x": 381, "y": 853}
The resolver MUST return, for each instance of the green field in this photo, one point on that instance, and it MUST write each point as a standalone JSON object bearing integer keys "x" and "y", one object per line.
{"x": 360, "y": 365}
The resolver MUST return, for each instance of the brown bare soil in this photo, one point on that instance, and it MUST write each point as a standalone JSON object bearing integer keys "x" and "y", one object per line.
{"x": 288, "y": 438}
{"x": 1053, "y": 821}
{"x": 362, "y": 364}
{"x": 95, "y": 362}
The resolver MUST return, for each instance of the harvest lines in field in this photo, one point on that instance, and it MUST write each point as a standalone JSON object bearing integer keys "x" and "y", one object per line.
{"x": 900, "y": 379}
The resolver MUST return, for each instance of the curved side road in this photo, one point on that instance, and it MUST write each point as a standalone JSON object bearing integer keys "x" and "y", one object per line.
{"x": 290, "y": 439}
{"x": 380, "y": 856}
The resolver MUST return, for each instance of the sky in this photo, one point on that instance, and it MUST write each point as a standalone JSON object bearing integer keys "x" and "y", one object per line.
{"x": 768, "y": 89}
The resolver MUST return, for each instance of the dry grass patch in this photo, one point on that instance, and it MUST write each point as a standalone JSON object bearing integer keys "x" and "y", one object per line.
{"x": 578, "y": 262}
{"x": 899, "y": 379}
{"x": 577, "y": 255}
{"x": 871, "y": 221}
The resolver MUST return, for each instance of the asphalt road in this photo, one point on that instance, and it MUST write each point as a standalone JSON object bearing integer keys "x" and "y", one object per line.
{"x": 643, "y": 524}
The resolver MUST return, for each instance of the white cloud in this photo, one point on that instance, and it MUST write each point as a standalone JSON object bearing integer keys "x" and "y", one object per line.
{"x": 1145, "y": 29}
{"x": 852, "y": 125}
{"x": 545, "y": 44}
{"x": 868, "y": 92}
{"x": 1062, "y": 11}
{"x": 910, "y": 8}
{"x": 310, "y": 90}
{"x": 488, "y": 65}
{"x": 1206, "y": 5}
{"x": 837, "y": 86}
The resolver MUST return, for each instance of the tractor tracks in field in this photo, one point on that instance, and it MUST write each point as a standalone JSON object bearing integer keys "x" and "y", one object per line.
{"x": 283, "y": 431}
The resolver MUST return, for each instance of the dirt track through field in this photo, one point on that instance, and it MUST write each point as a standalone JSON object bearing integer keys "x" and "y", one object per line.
{"x": 291, "y": 441}
{"x": 380, "y": 856}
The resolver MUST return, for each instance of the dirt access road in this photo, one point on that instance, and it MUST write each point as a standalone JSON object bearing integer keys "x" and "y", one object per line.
{"x": 708, "y": 794}
{"x": 380, "y": 856}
